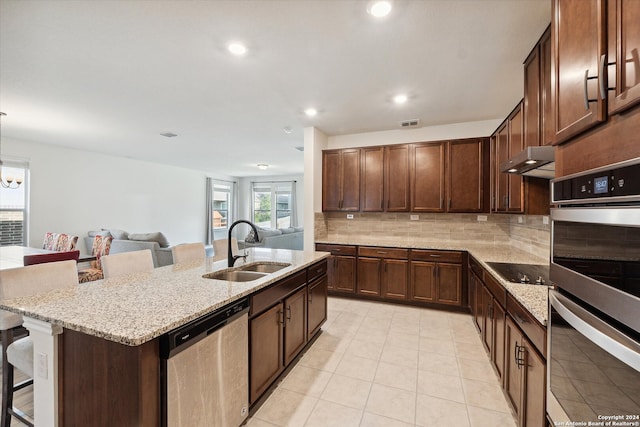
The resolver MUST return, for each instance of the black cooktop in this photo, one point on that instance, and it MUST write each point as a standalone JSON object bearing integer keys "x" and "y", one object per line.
{"x": 532, "y": 274}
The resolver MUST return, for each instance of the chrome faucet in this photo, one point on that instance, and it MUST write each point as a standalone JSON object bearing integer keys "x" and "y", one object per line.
{"x": 231, "y": 258}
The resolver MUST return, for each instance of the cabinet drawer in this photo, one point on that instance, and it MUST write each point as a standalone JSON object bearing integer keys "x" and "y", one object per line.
{"x": 379, "y": 252}
{"x": 317, "y": 270}
{"x": 276, "y": 292}
{"x": 336, "y": 249}
{"x": 536, "y": 333}
{"x": 476, "y": 268}
{"x": 436, "y": 256}
{"x": 497, "y": 290}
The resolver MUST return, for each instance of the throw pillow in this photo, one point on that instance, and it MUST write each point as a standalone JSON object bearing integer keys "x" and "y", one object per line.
{"x": 267, "y": 232}
{"x": 299, "y": 228}
{"x": 118, "y": 234}
{"x": 150, "y": 237}
{"x": 251, "y": 236}
{"x": 93, "y": 233}
{"x": 287, "y": 230}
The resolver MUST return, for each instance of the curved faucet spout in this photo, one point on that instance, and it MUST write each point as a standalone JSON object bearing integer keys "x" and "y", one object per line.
{"x": 231, "y": 258}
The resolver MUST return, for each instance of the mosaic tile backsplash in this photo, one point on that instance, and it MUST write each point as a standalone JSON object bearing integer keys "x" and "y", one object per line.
{"x": 526, "y": 232}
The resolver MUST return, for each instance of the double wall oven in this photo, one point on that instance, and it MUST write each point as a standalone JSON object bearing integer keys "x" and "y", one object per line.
{"x": 593, "y": 361}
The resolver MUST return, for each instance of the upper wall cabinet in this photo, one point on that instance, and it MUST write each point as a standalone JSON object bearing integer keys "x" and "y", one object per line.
{"x": 384, "y": 179}
{"x": 341, "y": 180}
{"x": 427, "y": 177}
{"x": 623, "y": 64}
{"x": 537, "y": 94}
{"x": 466, "y": 175}
{"x": 578, "y": 60}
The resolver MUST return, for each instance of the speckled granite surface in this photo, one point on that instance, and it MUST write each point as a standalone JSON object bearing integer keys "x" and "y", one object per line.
{"x": 533, "y": 297}
{"x": 135, "y": 309}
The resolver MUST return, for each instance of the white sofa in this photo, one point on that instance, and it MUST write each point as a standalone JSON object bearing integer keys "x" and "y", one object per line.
{"x": 161, "y": 255}
{"x": 289, "y": 238}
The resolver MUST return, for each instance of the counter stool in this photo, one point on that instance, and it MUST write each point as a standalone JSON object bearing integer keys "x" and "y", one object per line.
{"x": 125, "y": 263}
{"x": 188, "y": 252}
{"x": 220, "y": 248}
{"x": 18, "y": 353}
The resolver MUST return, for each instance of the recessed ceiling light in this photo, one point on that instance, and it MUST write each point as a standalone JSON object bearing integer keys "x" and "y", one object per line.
{"x": 311, "y": 112}
{"x": 400, "y": 98}
{"x": 287, "y": 129}
{"x": 237, "y": 49}
{"x": 379, "y": 8}
{"x": 169, "y": 134}
{"x": 263, "y": 166}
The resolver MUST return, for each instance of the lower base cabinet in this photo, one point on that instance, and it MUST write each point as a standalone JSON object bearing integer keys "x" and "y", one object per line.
{"x": 317, "y": 305}
{"x": 266, "y": 361}
{"x": 295, "y": 324}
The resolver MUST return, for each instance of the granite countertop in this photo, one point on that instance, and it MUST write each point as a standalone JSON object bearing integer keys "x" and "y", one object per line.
{"x": 532, "y": 297}
{"x": 138, "y": 308}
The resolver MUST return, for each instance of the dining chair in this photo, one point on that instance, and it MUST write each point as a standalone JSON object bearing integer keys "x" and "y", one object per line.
{"x": 125, "y": 263}
{"x": 188, "y": 252}
{"x": 60, "y": 242}
{"x": 220, "y": 248}
{"x": 101, "y": 247}
{"x": 52, "y": 257}
{"x": 18, "y": 353}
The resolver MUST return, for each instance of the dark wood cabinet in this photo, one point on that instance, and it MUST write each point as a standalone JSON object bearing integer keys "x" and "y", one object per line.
{"x": 266, "y": 350}
{"x": 502, "y": 179}
{"x": 623, "y": 59}
{"x": 537, "y": 94}
{"x": 578, "y": 57}
{"x": 514, "y": 358}
{"x": 516, "y": 145}
{"x": 428, "y": 177}
{"x": 436, "y": 276}
{"x": 341, "y": 267}
{"x": 466, "y": 175}
{"x": 396, "y": 187}
{"x": 372, "y": 179}
{"x": 383, "y": 272}
{"x": 317, "y": 305}
{"x": 295, "y": 324}
{"x": 341, "y": 180}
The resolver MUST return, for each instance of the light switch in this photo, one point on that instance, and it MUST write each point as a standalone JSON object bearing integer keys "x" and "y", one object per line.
{"x": 545, "y": 220}
{"x": 414, "y": 217}
{"x": 482, "y": 218}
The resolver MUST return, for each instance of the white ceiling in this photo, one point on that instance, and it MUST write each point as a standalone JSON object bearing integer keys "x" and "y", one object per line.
{"x": 110, "y": 76}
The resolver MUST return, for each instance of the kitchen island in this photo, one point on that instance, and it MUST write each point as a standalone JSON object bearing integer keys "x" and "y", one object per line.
{"x": 96, "y": 351}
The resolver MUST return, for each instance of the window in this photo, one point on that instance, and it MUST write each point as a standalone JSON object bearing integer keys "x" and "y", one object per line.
{"x": 13, "y": 205}
{"x": 272, "y": 204}
{"x": 221, "y": 208}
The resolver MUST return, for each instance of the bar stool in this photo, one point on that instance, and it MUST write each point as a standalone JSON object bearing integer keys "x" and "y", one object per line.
{"x": 220, "y": 248}
{"x": 126, "y": 263}
{"x": 18, "y": 353}
{"x": 188, "y": 252}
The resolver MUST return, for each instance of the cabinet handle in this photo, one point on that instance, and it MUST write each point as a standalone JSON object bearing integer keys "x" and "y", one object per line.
{"x": 519, "y": 355}
{"x": 381, "y": 204}
{"x": 491, "y": 312}
{"x": 382, "y": 252}
{"x": 289, "y": 313}
{"x": 281, "y": 317}
{"x": 449, "y": 204}
{"x": 435, "y": 255}
{"x": 437, "y": 270}
{"x": 385, "y": 267}
{"x": 310, "y": 297}
{"x": 337, "y": 249}
{"x": 441, "y": 203}
{"x": 519, "y": 318}
{"x": 587, "y": 100}
{"x": 604, "y": 84}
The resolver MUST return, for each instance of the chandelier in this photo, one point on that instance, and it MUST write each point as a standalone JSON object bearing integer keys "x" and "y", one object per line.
{"x": 9, "y": 182}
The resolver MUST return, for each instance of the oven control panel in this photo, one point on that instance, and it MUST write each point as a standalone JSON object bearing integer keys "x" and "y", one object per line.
{"x": 616, "y": 183}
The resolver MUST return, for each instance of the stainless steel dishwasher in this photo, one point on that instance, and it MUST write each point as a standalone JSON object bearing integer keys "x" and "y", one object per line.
{"x": 205, "y": 370}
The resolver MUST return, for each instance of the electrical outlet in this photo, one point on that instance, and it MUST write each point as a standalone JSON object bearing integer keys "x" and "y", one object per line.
{"x": 414, "y": 217}
{"x": 482, "y": 218}
{"x": 42, "y": 365}
{"x": 545, "y": 220}
{"x": 349, "y": 216}
{"x": 520, "y": 219}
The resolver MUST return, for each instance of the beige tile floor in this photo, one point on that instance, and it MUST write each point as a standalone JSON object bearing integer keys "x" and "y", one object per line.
{"x": 389, "y": 365}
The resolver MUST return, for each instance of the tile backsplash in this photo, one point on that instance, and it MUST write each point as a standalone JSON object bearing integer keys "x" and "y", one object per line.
{"x": 526, "y": 232}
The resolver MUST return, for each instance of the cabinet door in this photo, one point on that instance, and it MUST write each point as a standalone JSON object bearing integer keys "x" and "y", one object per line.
{"x": 502, "y": 179}
{"x": 316, "y": 305}
{"x": 498, "y": 339}
{"x": 423, "y": 281}
{"x": 449, "y": 285}
{"x": 516, "y": 145}
{"x": 295, "y": 325}
{"x": 487, "y": 328}
{"x": 397, "y": 178}
{"x": 266, "y": 350}
{"x": 465, "y": 168}
{"x": 534, "y": 388}
{"x": 546, "y": 104}
{"x": 624, "y": 44}
{"x": 369, "y": 276}
{"x": 479, "y": 305}
{"x": 332, "y": 272}
{"x": 331, "y": 180}
{"x": 531, "y": 103}
{"x": 350, "y": 180}
{"x": 345, "y": 276}
{"x": 578, "y": 45}
{"x": 427, "y": 177}
{"x": 372, "y": 179}
{"x": 394, "y": 278}
{"x": 513, "y": 369}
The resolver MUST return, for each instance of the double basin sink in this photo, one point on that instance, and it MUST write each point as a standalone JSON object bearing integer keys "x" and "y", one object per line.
{"x": 247, "y": 273}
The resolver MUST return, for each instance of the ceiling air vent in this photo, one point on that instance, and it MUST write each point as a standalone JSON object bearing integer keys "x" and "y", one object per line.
{"x": 413, "y": 123}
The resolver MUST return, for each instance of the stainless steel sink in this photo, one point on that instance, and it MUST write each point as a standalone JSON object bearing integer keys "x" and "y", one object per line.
{"x": 264, "y": 267}
{"x": 235, "y": 275}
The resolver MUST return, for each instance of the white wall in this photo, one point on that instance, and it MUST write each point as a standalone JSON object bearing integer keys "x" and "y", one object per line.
{"x": 73, "y": 191}
{"x": 314, "y": 142}
{"x": 401, "y": 136}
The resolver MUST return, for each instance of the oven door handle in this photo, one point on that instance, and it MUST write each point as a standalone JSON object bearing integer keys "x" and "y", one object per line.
{"x": 596, "y": 330}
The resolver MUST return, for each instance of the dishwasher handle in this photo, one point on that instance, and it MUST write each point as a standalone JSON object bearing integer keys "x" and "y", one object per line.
{"x": 184, "y": 337}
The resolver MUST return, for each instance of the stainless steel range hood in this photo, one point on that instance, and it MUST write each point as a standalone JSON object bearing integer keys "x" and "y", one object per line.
{"x": 533, "y": 161}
